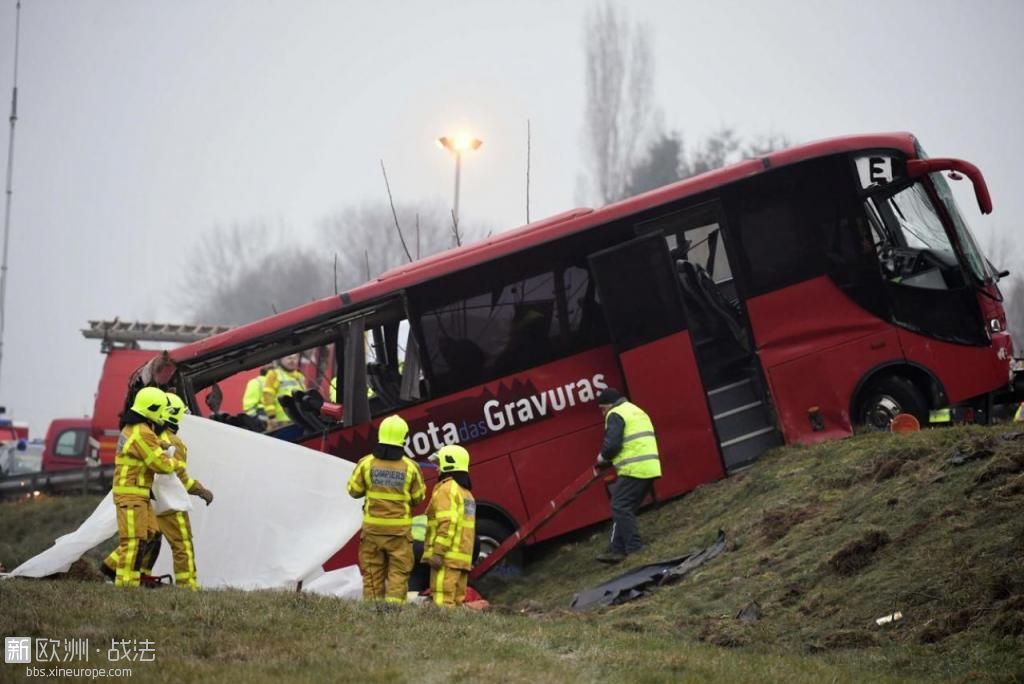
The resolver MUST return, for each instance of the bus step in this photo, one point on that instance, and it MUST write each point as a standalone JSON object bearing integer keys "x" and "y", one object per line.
{"x": 733, "y": 395}
{"x": 746, "y": 449}
{"x": 738, "y": 409}
{"x": 750, "y": 419}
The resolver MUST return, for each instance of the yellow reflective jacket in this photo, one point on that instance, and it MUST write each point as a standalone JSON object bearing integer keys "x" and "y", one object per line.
{"x": 639, "y": 454}
{"x": 181, "y": 456}
{"x": 419, "y": 528}
{"x": 139, "y": 456}
{"x": 391, "y": 489}
{"x": 451, "y": 525}
{"x": 279, "y": 383}
{"x": 253, "y": 397}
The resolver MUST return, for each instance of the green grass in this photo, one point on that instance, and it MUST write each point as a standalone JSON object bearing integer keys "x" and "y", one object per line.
{"x": 825, "y": 539}
{"x": 29, "y": 526}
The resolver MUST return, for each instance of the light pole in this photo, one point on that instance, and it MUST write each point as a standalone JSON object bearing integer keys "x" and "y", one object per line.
{"x": 457, "y": 145}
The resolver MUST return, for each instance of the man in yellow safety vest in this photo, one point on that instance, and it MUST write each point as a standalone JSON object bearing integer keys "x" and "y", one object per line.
{"x": 284, "y": 379}
{"x": 631, "y": 448}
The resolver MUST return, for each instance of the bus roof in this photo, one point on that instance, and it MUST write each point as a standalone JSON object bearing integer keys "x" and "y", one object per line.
{"x": 537, "y": 233}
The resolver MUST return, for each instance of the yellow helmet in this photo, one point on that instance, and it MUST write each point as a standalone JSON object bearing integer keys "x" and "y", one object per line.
{"x": 174, "y": 410}
{"x": 452, "y": 458}
{"x": 150, "y": 403}
{"x": 393, "y": 430}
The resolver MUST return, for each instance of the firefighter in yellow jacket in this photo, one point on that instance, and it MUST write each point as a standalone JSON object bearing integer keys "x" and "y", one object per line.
{"x": 392, "y": 484}
{"x": 282, "y": 380}
{"x": 175, "y": 525}
{"x": 139, "y": 457}
{"x": 451, "y": 527}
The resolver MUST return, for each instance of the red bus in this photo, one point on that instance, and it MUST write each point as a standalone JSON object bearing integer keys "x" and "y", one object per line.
{"x": 783, "y": 299}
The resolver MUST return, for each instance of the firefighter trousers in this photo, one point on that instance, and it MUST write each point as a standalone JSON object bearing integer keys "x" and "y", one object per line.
{"x": 449, "y": 586}
{"x": 133, "y": 528}
{"x": 386, "y": 561}
{"x": 148, "y": 549}
{"x": 176, "y": 527}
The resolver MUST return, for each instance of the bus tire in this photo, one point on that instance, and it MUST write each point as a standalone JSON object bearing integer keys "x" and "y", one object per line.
{"x": 490, "y": 533}
{"x": 888, "y": 396}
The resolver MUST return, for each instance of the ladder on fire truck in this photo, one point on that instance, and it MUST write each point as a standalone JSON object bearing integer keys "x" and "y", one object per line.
{"x": 118, "y": 334}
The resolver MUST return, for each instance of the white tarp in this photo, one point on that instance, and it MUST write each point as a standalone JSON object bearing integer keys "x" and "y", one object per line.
{"x": 279, "y": 512}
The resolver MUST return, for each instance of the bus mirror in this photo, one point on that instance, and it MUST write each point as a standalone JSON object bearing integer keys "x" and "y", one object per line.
{"x": 917, "y": 168}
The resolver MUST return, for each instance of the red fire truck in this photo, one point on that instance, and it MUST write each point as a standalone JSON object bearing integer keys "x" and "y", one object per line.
{"x": 787, "y": 298}
{"x": 70, "y": 441}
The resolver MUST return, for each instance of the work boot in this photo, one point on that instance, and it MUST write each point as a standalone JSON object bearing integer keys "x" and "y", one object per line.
{"x": 611, "y": 557}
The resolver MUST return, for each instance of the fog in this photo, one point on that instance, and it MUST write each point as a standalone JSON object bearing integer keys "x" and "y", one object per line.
{"x": 143, "y": 124}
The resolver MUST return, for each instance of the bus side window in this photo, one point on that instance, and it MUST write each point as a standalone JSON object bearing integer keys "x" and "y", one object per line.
{"x": 488, "y": 323}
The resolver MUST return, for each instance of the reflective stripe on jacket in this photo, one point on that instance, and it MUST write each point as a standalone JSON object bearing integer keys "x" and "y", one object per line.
{"x": 139, "y": 456}
{"x": 391, "y": 489}
{"x": 451, "y": 525}
{"x": 639, "y": 454}
{"x": 280, "y": 383}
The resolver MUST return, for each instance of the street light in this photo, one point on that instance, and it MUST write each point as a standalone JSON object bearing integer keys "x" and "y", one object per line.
{"x": 457, "y": 145}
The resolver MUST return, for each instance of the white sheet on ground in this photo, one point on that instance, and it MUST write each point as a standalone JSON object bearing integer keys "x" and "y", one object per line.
{"x": 344, "y": 582}
{"x": 279, "y": 512}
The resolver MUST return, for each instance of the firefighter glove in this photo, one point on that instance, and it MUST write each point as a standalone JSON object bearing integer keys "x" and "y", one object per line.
{"x": 436, "y": 561}
{"x": 204, "y": 494}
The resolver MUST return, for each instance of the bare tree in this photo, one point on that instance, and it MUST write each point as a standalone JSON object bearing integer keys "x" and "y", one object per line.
{"x": 660, "y": 167}
{"x": 719, "y": 149}
{"x": 619, "y": 97}
{"x": 365, "y": 238}
{"x": 248, "y": 271}
{"x": 1000, "y": 251}
{"x": 765, "y": 143}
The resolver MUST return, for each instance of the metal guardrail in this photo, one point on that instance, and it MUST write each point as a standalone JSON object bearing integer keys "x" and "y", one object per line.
{"x": 94, "y": 480}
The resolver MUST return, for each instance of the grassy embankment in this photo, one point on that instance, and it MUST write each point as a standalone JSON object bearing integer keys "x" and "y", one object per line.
{"x": 825, "y": 539}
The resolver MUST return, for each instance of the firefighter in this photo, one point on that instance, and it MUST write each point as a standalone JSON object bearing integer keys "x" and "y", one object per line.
{"x": 175, "y": 525}
{"x": 252, "y": 399}
{"x": 451, "y": 527}
{"x": 139, "y": 456}
{"x": 284, "y": 379}
{"x": 392, "y": 484}
{"x": 632, "y": 449}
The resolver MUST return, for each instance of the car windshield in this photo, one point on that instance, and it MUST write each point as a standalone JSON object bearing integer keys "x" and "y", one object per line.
{"x": 975, "y": 261}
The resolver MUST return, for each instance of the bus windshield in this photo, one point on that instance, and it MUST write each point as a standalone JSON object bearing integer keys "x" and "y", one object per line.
{"x": 913, "y": 215}
{"x": 975, "y": 261}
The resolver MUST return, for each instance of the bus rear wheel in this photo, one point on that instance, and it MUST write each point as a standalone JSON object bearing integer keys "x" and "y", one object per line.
{"x": 490, "y": 533}
{"x": 888, "y": 397}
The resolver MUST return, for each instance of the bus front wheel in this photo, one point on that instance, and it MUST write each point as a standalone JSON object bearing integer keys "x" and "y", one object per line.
{"x": 888, "y": 397}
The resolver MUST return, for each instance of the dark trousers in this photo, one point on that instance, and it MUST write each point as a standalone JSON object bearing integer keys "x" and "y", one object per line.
{"x": 420, "y": 577}
{"x": 627, "y": 495}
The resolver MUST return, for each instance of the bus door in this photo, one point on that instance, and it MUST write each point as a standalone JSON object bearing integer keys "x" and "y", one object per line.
{"x": 643, "y": 308}
{"x": 720, "y": 331}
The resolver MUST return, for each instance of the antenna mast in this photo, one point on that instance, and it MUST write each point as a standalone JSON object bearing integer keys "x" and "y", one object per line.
{"x": 10, "y": 177}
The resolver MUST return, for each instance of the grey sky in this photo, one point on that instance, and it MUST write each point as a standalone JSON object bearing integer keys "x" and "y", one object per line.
{"x": 143, "y": 124}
